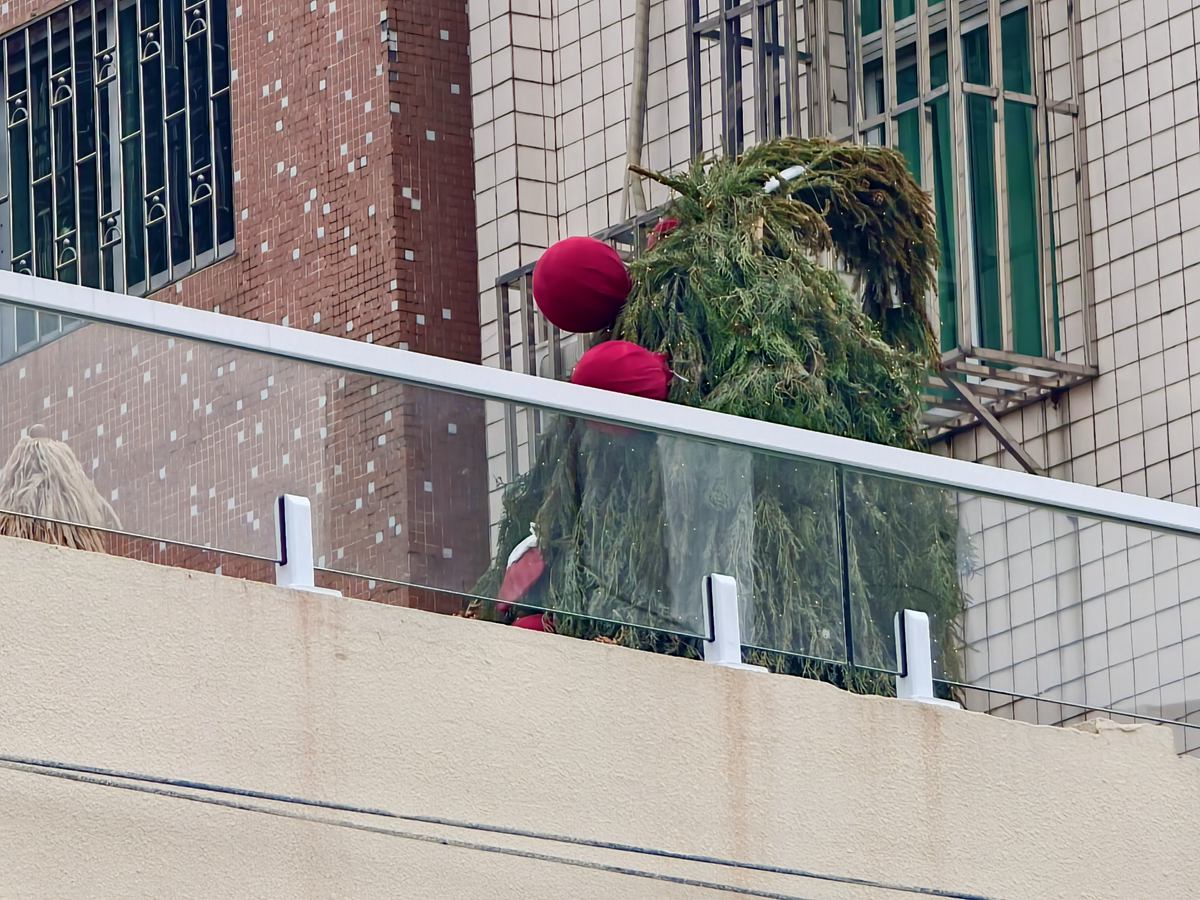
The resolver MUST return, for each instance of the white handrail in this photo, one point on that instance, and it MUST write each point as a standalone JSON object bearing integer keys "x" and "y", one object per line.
{"x": 513, "y": 387}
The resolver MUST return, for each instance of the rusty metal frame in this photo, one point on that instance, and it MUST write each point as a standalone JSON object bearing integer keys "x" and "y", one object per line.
{"x": 997, "y": 382}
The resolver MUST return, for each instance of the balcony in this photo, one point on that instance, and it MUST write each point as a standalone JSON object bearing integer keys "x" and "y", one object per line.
{"x": 1073, "y": 601}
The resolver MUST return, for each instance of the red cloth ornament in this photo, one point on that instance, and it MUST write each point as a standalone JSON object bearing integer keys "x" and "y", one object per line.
{"x": 521, "y": 576}
{"x": 660, "y": 231}
{"x": 626, "y": 368}
{"x": 580, "y": 284}
{"x": 534, "y": 622}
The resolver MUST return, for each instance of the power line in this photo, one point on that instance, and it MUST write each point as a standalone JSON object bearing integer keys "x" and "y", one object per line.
{"x": 405, "y": 835}
{"x": 33, "y": 765}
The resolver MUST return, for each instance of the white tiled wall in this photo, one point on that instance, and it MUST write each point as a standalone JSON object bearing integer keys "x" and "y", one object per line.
{"x": 1133, "y": 428}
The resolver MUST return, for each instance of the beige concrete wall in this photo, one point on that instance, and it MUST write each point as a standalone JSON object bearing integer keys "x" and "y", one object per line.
{"x": 120, "y": 664}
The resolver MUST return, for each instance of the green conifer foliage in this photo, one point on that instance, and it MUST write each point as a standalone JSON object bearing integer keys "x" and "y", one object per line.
{"x": 756, "y": 325}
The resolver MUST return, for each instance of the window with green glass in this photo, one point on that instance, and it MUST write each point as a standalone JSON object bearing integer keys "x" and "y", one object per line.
{"x": 991, "y": 273}
{"x": 1014, "y": 39}
{"x": 943, "y": 204}
{"x": 1020, "y": 141}
{"x": 976, "y": 55}
{"x": 908, "y": 123}
{"x": 870, "y": 13}
{"x": 870, "y": 16}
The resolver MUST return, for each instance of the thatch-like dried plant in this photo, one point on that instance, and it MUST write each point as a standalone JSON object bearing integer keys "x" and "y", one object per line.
{"x": 46, "y": 496}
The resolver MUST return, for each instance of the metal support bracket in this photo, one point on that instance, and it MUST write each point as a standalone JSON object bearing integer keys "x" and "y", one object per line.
{"x": 724, "y": 646}
{"x": 914, "y": 654}
{"x": 294, "y": 546}
{"x": 1007, "y": 441}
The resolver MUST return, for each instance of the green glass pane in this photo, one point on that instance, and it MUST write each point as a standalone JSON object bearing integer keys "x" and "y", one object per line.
{"x": 43, "y": 229}
{"x": 906, "y": 84}
{"x": 870, "y": 15}
{"x": 977, "y": 60}
{"x": 981, "y": 177}
{"x": 908, "y": 140}
{"x": 943, "y": 205}
{"x": 1014, "y": 38}
{"x": 1024, "y": 243}
{"x": 22, "y": 200}
{"x": 873, "y": 87}
{"x": 904, "y": 8}
{"x": 1053, "y": 245}
{"x": 134, "y": 211}
{"x": 938, "y": 68}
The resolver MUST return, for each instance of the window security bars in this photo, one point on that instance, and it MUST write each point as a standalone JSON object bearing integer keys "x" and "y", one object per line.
{"x": 960, "y": 90}
{"x": 730, "y": 43}
{"x": 115, "y": 159}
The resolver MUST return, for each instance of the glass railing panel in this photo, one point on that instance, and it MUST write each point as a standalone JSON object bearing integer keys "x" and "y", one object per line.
{"x": 144, "y": 434}
{"x": 795, "y": 600}
{"x": 1048, "y": 606}
{"x": 191, "y": 443}
{"x": 430, "y": 493}
{"x": 628, "y": 521}
{"x": 905, "y": 551}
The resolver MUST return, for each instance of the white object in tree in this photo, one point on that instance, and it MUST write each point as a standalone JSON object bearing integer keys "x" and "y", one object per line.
{"x": 524, "y": 547}
{"x": 791, "y": 173}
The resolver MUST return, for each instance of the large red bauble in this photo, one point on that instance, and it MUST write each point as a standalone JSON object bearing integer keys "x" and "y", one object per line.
{"x": 580, "y": 284}
{"x": 624, "y": 367}
{"x": 661, "y": 229}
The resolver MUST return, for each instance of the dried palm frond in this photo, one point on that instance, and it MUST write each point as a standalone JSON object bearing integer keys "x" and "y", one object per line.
{"x": 46, "y": 496}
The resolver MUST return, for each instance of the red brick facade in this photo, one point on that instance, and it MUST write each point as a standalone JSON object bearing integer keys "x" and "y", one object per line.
{"x": 355, "y": 217}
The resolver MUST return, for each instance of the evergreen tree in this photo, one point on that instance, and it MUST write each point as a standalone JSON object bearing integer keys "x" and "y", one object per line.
{"x": 755, "y": 326}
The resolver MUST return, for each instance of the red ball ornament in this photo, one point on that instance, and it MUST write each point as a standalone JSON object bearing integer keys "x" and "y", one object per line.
{"x": 624, "y": 367}
{"x": 580, "y": 284}
{"x": 661, "y": 229}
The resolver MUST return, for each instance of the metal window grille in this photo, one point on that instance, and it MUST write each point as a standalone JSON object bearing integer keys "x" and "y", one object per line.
{"x": 746, "y": 57}
{"x": 116, "y": 164}
{"x": 911, "y": 73}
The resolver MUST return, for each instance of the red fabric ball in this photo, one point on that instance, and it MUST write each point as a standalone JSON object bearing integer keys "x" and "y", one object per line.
{"x": 580, "y": 284}
{"x": 660, "y": 231}
{"x": 624, "y": 367}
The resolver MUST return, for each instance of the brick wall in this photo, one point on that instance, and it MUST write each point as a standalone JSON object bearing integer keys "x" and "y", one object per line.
{"x": 355, "y": 217}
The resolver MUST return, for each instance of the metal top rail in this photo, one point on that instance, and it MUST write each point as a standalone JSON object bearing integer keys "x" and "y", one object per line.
{"x": 496, "y": 384}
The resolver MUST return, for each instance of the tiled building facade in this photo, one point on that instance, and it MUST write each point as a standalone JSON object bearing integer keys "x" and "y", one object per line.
{"x": 1061, "y": 142}
{"x": 352, "y": 212}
